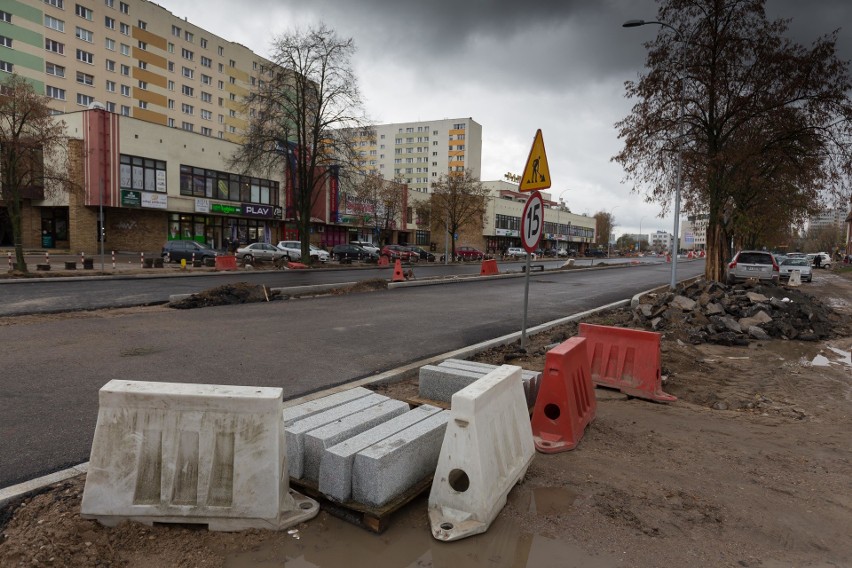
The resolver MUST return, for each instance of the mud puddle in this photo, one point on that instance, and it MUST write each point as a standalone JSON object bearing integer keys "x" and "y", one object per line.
{"x": 327, "y": 542}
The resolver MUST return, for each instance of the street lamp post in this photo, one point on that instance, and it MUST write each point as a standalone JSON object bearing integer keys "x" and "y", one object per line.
{"x": 640, "y": 232}
{"x": 611, "y": 232}
{"x": 685, "y": 41}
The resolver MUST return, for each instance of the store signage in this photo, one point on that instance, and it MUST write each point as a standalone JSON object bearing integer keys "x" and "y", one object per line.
{"x": 154, "y": 200}
{"x": 202, "y": 206}
{"x": 131, "y": 198}
{"x": 507, "y": 233}
{"x": 262, "y": 211}
{"x": 225, "y": 209}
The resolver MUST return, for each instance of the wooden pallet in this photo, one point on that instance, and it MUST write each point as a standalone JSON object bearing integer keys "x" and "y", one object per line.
{"x": 371, "y": 518}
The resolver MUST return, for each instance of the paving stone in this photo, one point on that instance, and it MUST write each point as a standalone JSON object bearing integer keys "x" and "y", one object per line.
{"x": 385, "y": 470}
{"x": 335, "y": 477}
{"x": 316, "y": 441}
{"x": 293, "y": 413}
{"x": 296, "y": 431}
{"x": 440, "y": 382}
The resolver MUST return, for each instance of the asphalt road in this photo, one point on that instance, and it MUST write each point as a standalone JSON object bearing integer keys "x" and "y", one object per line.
{"x": 53, "y": 366}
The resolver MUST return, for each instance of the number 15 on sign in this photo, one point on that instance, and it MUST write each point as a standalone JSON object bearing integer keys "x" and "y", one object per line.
{"x": 532, "y": 223}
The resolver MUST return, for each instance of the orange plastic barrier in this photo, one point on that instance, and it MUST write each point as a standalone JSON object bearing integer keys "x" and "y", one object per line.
{"x": 383, "y": 260}
{"x": 566, "y": 402}
{"x": 488, "y": 268}
{"x": 690, "y": 255}
{"x": 625, "y": 359}
{"x": 226, "y": 263}
{"x": 398, "y": 276}
{"x": 668, "y": 258}
{"x": 296, "y": 265}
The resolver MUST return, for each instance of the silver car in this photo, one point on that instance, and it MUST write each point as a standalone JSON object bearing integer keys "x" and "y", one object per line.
{"x": 801, "y": 265}
{"x": 260, "y": 251}
{"x": 748, "y": 264}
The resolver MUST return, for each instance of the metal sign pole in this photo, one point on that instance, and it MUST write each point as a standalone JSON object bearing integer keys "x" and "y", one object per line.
{"x": 526, "y": 303}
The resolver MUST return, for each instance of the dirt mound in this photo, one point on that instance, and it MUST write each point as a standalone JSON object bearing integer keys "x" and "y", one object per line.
{"x": 227, "y": 294}
{"x": 371, "y": 285}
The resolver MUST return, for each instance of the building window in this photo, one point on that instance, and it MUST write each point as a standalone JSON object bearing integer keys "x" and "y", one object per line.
{"x": 171, "y": 66}
{"x": 7, "y": 67}
{"x": 186, "y": 109}
{"x": 123, "y": 8}
{"x": 52, "y": 23}
{"x": 187, "y": 90}
{"x": 188, "y": 37}
{"x": 206, "y": 114}
{"x": 58, "y": 3}
{"x": 110, "y": 44}
{"x": 187, "y": 126}
{"x": 206, "y": 131}
{"x": 459, "y": 126}
{"x": 110, "y": 86}
{"x": 85, "y": 35}
{"x": 187, "y": 72}
{"x": 124, "y": 28}
{"x": 85, "y": 57}
{"x": 125, "y": 49}
{"x": 83, "y": 12}
{"x": 142, "y": 174}
{"x": 171, "y": 104}
{"x": 5, "y": 41}
{"x": 142, "y": 25}
{"x": 110, "y": 65}
{"x": 186, "y": 54}
{"x": 203, "y": 43}
{"x": 109, "y": 3}
{"x": 125, "y": 90}
{"x": 125, "y": 110}
{"x": 221, "y": 51}
{"x": 175, "y": 31}
{"x": 206, "y": 97}
{"x": 206, "y": 79}
{"x": 125, "y": 70}
{"x": 143, "y": 64}
{"x": 84, "y": 100}
{"x": 221, "y": 85}
{"x": 143, "y": 104}
{"x": 206, "y": 61}
{"x": 109, "y": 22}
{"x": 142, "y": 45}
{"x": 110, "y": 106}
{"x": 171, "y": 47}
{"x": 55, "y": 93}
{"x": 171, "y": 85}
{"x": 53, "y": 69}
{"x": 143, "y": 85}
{"x": 221, "y": 68}
{"x": 85, "y": 78}
{"x": 171, "y": 123}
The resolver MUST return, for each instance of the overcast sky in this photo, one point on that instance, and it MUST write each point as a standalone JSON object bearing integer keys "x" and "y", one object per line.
{"x": 511, "y": 66}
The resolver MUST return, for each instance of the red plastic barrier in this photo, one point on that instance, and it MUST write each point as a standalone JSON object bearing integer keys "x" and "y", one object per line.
{"x": 488, "y": 268}
{"x": 398, "y": 276}
{"x": 296, "y": 265}
{"x": 626, "y": 359}
{"x": 383, "y": 260}
{"x": 566, "y": 402}
{"x": 226, "y": 263}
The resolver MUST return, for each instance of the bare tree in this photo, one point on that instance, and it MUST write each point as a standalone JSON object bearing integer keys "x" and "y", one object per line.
{"x": 383, "y": 202}
{"x": 458, "y": 201}
{"x": 766, "y": 122}
{"x": 33, "y": 153}
{"x": 604, "y": 226}
{"x": 304, "y": 115}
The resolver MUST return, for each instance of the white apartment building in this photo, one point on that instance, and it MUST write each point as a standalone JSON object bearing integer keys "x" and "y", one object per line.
{"x": 418, "y": 153}
{"x": 661, "y": 241}
{"x": 693, "y": 232}
{"x": 831, "y": 218}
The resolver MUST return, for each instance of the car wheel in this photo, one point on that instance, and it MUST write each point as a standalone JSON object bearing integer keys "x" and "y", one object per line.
{"x": 248, "y": 258}
{"x": 827, "y": 266}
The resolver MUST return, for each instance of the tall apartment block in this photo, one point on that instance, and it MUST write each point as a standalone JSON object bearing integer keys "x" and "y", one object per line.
{"x": 133, "y": 57}
{"x": 417, "y": 153}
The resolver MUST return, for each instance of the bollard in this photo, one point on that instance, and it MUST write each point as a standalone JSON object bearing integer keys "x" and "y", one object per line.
{"x": 82, "y": 257}
{"x": 193, "y": 259}
{"x": 9, "y": 254}
{"x": 113, "y": 260}
{"x": 168, "y": 257}
{"x": 142, "y": 260}
{"x": 47, "y": 258}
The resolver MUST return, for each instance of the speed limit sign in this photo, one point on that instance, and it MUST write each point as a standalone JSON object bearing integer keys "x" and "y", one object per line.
{"x": 532, "y": 222}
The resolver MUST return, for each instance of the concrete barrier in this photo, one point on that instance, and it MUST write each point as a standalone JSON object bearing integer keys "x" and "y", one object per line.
{"x": 487, "y": 449}
{"x": 184, "y": 453}
{"x": 335, "y": 477}
{"x": 387, "y": 469}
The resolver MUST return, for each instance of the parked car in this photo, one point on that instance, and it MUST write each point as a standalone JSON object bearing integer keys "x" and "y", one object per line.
{"x": 789, "y": 265}
{"x": 294, "y": 251}
{"x": 748, "y": 264}
{"x": 260, "y": 251}
{"x": 516, "y": 251}
{"x": 469, "y": 253}
{"x": 594, "y": 253}
{"x": 399, "y": 252}
{"x": 350, "y": 252}
{"x": 824, "y": 258}
{"x": 366, "y": 245}
{"x": 422, "y": 253}
{"x": 183, "y": 250}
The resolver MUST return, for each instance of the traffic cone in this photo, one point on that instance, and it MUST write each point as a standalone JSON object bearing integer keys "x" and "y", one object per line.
{"x": 398, "y": 276}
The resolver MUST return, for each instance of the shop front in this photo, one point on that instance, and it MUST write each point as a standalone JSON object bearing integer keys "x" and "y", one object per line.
{"x": 227, "y": 226}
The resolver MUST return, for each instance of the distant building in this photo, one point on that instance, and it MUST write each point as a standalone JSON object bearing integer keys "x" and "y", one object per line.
{"x": 693, "y": 232}
{"x": 831, "y": 218}
{"x": 661, "y": 241}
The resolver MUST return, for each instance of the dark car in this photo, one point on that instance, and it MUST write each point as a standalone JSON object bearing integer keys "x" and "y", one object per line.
{"x": 399, "y": 252}
{"x": 348, "y": 253}
{"x": 422, "y": 253}
{"x": 469, "y": 253}
{"x": 594, "y": 253}
{"x": 176, "y": 251}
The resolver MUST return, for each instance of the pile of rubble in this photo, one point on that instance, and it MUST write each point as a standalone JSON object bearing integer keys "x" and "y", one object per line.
{"x": 712, "y": 312}
{"x": 227, "y": 294}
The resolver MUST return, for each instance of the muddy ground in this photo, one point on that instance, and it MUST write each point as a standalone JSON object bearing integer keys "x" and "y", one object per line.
{"x": 750, "y": 467}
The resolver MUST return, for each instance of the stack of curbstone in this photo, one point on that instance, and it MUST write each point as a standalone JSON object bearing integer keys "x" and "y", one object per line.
{"x": 440, "y": 382}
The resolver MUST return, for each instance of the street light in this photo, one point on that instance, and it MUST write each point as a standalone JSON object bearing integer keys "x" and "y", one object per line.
{"x": 685, "y": 41}
{"x": 611, "y": 231}
{"x": 640, "y": 231}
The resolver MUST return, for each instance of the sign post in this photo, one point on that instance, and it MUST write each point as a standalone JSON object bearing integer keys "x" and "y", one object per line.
{"x": 532, "y": 223}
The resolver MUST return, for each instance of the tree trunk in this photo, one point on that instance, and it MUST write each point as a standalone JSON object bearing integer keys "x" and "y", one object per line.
{"x": 15, "y": 207}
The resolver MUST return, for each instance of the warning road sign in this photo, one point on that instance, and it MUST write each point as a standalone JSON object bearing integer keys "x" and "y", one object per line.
{"x": 536, "y": 173}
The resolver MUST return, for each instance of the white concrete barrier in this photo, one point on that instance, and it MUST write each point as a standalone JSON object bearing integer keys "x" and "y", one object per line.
{"x": 488, "y": 446}
{"x": 184, "y": 453}
{"x": 795, "y": 278}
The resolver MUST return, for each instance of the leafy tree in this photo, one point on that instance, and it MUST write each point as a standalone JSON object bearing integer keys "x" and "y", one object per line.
{"x": 305, "y": 113}
{"x": 626, "y": 243}
{"x": 604, "y": 226}
{"x": 458, "y": 201}
{"x": 383, "y": 202}
{"x": 766, "y": 122}
{"x": 33, "y": 153}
